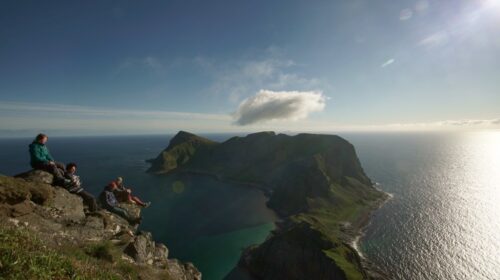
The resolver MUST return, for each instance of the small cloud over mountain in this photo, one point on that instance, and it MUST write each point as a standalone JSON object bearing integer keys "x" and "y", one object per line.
{"x": 269, "y": 105}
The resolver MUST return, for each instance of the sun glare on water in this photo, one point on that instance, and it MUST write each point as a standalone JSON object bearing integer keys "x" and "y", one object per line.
{"x": 481, "y": 194}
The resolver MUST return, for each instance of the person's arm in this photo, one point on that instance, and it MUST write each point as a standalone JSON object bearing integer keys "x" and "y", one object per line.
{"x": 122, "y": 189}
{"x": 110, "y": 199}
{"x": 78, "y": 182}
{"x": 48, "y": 155}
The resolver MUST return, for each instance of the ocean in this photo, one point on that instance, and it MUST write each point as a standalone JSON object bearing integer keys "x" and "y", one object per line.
{"x": 441, "y": 223}
{"x": 443, "y": 220}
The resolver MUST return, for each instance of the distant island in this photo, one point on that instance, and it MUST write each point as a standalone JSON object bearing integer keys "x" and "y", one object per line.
{"x": 314, "y": 182}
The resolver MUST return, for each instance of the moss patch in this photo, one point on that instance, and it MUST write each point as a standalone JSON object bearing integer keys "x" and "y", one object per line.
{"x": 24, "y": 256}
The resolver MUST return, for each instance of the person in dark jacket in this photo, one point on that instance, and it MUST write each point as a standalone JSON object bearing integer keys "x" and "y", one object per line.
{"x": 75, "y": 186}
{"x": 109, "y": 202}
{"x": 124, "y": 194}
{"x": 40, "y": 158}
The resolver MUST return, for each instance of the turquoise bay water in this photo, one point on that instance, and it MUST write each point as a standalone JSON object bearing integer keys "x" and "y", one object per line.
{"x": 442, "y": 223}
{"x": 201, "y": 220}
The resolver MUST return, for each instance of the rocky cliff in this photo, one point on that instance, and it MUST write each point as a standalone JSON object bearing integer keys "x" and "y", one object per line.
{"x": 315, "y": 183}
{"x": 46, "y": 233}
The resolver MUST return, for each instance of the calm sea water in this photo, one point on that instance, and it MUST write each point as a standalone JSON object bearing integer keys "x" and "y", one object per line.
{"x": 442, "y": 222}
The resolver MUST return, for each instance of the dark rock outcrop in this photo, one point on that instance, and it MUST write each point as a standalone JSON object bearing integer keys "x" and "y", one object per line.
{"x": 295, "y": 253}
{"x": 58, "y": 218}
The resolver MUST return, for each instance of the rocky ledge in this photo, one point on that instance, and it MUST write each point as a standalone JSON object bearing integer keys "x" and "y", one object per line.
{"x": 93, "y": 245}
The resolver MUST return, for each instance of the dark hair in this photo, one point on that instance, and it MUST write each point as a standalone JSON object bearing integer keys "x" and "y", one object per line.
{"x": 40, "y": 136}
{"x": 111, "y": 186}
{"x": 70, "y": 165}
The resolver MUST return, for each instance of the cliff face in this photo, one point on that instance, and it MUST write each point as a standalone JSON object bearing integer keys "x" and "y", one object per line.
{"x": 316, "y": 184}
{"x": 294, "y": 253}
{"x": 64, "y": 241}
{"x": 182, "y": 148}
{"x": 258, "y": 157}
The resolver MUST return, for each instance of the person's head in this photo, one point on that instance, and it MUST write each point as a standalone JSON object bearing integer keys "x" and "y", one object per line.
{"x": 41, "y": 138}
{"x": 71, "y": 167}
{"x": 119, "y": 180}
{"x": 111, "y": 186}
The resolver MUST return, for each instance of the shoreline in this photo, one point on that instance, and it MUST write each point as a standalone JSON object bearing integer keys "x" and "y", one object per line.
{"x": 372, "y": 270}
{"x": 353, "y": 237}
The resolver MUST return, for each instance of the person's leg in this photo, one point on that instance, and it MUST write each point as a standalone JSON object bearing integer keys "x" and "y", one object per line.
{"x": 122, "y": 213}
{"x": 60, "y": 165}
{"x": 52, "y": 169}
{"x": 122, "y": 196}
{"x": 137, "y": 200}
{"x": 89, "y": 200}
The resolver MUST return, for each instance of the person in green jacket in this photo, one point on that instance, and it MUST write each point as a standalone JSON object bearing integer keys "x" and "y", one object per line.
{"x": 42, "y": 160}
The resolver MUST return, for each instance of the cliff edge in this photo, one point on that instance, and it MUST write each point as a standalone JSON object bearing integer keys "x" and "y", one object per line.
{"x": 46, "y": 233}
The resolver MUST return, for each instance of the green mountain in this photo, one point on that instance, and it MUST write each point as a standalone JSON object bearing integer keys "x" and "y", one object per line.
{"x": 315, "y": 183}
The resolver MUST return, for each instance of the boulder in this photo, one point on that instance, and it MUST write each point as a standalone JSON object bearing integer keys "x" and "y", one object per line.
{"x": 142, "y": 249}
{"x": 14, "y": 191}
{"x": 133, "y": 210}
{"x": 183, "y": 271}
{"x": 37, "y": 176}
{"x": 67, "y": 207}
{"x": 161, "y": 252}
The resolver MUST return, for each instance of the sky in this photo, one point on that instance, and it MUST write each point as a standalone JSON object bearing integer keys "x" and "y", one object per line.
{"x": 155, "y": 67}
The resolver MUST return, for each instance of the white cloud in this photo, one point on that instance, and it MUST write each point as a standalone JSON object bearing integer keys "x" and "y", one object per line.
{"x": 269, "y": 105}
{"x": 405, "y": 14}
{"x": 469, "y": 123}
{"x": 81, "y": 111}
{"x": 437, "y": 39}
{"x": 24, "y": 119}
{"x": 421, "y": 6}
{"x": 446, "y": 125}
{"x": 388, "y": 62}
{"x": 241, "y": 78}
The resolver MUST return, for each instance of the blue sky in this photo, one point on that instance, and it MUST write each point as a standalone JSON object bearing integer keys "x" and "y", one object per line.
{"x": 134, "y": 67}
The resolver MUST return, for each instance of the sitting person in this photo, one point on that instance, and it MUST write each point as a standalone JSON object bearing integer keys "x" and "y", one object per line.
{"x": 109, "y": 202}
{"x": 75, "y": 186}
{"x": 125, "y": 194}
{"x": 41, "y": 159}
